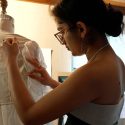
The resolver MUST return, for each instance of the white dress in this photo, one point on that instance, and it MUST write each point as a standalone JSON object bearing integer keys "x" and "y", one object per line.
{"x": 8, "y": 115}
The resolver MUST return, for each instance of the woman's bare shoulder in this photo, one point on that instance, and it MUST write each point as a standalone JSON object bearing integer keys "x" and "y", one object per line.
{"x": 94, "y": 72}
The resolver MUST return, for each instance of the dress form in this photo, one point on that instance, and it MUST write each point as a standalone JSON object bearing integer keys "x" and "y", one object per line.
{"x": 6, "y": 21}
{"x": 8, "y": 115}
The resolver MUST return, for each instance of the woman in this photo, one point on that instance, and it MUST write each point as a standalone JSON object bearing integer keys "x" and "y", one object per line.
{"x": 91, "y": 95}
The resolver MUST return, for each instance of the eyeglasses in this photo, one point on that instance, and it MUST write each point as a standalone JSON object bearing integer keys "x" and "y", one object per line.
{"x": 59, "y": 36}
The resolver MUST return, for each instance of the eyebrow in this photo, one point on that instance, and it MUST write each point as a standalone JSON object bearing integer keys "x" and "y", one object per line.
{"x": 59, "y": 28}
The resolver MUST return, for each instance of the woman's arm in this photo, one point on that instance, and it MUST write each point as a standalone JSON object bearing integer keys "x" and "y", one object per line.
{"x": 78, "y": 89}
{"x": 17, "y": 88}
{"x": 50, "y": 2}
{"x": 43, "y": 77}
{"x": 63, "y": 99}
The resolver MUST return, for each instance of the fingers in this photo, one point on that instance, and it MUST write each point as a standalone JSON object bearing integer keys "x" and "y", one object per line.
{"x": 35, "y": 63}
{"x": 34, "y": 74}
{"x": 10, "y": 41}
{"x": 36, "y": 70}
{"x": 11, "y": 48}
{"x": 36, "y": 77}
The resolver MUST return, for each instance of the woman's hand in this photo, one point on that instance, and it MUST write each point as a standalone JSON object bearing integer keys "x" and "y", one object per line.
{"x": 11, "y": 50}
{"x": 39, "y": 73}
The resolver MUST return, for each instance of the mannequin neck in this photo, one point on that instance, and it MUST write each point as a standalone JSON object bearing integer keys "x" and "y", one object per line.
{"x": 6, "y": 24}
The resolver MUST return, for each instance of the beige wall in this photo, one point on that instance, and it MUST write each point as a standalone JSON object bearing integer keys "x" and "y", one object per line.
{"x": 33, "y": 21}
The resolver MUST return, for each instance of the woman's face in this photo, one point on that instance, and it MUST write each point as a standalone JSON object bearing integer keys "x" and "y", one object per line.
{"x": 71, "y": 38}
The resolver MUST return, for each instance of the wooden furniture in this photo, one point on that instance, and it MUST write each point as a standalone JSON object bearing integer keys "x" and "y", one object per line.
{"x": 120, "y": 3}
{"x": 117, "y": 4}
{"x": 51, "y": 2}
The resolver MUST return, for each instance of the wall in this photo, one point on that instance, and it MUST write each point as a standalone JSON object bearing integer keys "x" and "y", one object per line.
{"x": 34, "y": 21}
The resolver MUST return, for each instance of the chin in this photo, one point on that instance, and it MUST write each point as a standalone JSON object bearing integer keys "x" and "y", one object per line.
{"x": 74, "y": 54}
{"x": 77, "y": 54}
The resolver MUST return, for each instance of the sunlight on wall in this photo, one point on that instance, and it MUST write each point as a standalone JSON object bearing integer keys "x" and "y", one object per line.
{"x": 118, "y": 44}
{"x": 33, "y": 21}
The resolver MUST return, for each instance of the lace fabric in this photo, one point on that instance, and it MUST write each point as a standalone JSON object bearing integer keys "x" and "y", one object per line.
{"x": 28, "y": 48}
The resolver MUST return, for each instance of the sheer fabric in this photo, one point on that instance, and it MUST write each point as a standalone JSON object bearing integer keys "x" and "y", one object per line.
{"x": 30, "y": 49}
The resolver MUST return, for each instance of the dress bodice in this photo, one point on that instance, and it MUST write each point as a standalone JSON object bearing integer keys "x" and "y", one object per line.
{"x": 27, "y": 48}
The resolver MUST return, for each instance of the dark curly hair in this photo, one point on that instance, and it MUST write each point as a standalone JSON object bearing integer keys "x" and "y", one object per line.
{"x": 94, "y": 13}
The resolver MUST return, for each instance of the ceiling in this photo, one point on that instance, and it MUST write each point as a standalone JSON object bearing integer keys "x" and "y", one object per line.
{"x": 118, "y": 4}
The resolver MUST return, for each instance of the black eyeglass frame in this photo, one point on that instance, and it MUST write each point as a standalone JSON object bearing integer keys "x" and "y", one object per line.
{"x": 61, "y": 34}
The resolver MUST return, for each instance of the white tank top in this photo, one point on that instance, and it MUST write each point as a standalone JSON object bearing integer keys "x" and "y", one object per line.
{"x": 96, "y": 114}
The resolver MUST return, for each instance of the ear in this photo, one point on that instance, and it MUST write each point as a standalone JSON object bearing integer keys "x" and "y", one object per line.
{"x": 82, "y": 29}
